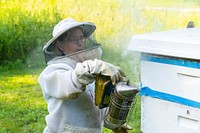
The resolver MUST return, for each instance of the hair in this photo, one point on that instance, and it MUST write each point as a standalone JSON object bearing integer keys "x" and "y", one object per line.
{"x": 62, "y": 37}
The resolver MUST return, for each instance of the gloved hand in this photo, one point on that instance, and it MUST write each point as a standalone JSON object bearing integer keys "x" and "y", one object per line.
{"x": 107, "y": 69}
{"x": 123, "y": 129}
{"x": 85, "y": 72}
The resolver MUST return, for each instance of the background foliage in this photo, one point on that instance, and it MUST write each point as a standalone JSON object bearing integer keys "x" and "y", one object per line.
{"x": 26, "y": 25}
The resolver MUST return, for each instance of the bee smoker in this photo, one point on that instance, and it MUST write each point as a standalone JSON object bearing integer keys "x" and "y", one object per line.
{"x": 118, "y": 99}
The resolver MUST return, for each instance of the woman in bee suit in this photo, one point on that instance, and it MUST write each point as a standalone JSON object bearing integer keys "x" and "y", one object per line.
{"x": 73, "y": 61}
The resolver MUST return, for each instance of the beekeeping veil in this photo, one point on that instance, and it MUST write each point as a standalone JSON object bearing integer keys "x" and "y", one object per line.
{"x": 91, "y": 47}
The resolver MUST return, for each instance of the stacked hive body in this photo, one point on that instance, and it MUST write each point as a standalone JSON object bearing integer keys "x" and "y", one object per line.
{"x": 170, "y": 80}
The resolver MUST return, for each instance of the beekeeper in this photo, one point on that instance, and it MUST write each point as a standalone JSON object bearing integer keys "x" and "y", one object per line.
{"x": 73, "y": 61}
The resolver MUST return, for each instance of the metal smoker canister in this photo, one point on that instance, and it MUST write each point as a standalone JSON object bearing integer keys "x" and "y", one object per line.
{"x": 120, "y": 103}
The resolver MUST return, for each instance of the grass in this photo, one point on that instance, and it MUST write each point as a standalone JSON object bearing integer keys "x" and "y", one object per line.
{"x": 22, "y": 107}
{"x": 21, "y": 103}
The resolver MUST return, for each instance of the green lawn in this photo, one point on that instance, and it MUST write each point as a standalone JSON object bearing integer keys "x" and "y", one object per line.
{"x": 22, "y": 107}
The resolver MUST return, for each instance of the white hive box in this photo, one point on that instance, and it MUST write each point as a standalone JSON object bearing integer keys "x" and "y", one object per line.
{"x": 170, "y": 80}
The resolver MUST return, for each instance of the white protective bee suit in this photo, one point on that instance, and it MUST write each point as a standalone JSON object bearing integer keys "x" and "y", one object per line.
{"x": 67, "y": 84}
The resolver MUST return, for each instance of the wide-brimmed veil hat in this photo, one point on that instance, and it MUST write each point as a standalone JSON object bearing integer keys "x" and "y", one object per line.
{"x": 65, "y": 25}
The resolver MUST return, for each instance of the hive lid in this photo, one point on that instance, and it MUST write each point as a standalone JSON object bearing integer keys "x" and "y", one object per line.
{"x": 183, "y": 43}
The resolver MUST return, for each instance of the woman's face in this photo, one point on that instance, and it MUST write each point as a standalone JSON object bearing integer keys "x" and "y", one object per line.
{"x": 73, "y": 42}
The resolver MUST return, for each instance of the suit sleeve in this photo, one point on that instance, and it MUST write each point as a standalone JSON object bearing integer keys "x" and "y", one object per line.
{"x": 56, "y": 81}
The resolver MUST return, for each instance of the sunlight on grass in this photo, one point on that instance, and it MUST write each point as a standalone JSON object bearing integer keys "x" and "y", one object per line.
{"x": 21, "y": 104}
{"x": 11, "y": 87}
{"x": 25, "y": 79}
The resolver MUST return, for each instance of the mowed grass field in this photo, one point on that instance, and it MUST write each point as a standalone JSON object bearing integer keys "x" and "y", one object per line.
{"x": 22, "y": 107}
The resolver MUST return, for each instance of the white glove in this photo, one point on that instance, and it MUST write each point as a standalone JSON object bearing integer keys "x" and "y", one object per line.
{"x": 85, "y": 72}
